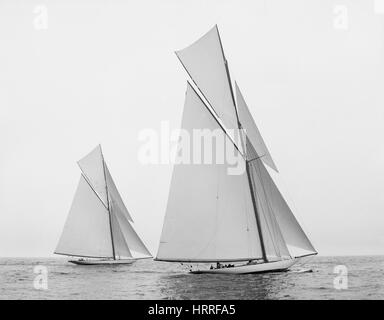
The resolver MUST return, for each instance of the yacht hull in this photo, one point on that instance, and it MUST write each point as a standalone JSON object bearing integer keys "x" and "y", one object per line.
{"x": 102, "y": 262}
{"x": 276, "y": 266}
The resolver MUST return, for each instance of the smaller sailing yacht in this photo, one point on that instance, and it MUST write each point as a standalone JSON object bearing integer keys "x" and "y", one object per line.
{"x": 98, "y": 228}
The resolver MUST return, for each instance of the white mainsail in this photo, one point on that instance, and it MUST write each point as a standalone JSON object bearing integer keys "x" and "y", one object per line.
{"x": 86, "y": 232}
{"x": 212, "y": 216}
{"x": 98, "y": 223}
{"x": 209, "y": 213}
{"x": 204, "y": 61}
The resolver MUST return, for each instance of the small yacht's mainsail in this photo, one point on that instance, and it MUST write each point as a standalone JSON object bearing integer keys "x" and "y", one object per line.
{"x": 213, "y": 216}
{"x": 98, "y": 224}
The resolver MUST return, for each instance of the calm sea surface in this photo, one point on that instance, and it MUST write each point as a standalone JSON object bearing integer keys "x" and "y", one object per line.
{"x": 147, "y": 279}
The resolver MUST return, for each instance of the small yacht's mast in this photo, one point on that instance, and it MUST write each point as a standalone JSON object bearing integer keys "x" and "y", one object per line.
{"x": 109, "y": 208}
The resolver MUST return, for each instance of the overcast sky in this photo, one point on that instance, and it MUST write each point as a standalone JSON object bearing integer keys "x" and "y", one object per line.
{"x": 101, "y": 71}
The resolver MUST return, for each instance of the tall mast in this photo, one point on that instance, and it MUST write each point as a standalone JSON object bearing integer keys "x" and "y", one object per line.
{"x": 109, "y": 208}
{"x": 245, "y": 156}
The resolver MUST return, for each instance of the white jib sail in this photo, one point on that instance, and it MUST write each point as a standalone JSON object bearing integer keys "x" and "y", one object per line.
{"x": 252, "y": 132}
{"x": 92, "y": 166}
{"x": 132, "y": 240}
{"x": 86, "y": 232}
{"x": 274, "y": 243}
{"x": 209, "y": 215}
{"x": 205, "y": 63}
{"x": 119, "y": 242}
{"x": 296, "y": 240}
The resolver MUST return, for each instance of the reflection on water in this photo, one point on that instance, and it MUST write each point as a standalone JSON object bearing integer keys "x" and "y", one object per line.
{"x": 204, "y": 286}
{"x": 147, "y": 279}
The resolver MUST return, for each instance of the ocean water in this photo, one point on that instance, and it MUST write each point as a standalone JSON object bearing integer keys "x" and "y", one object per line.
{"x": 147, "y": 279}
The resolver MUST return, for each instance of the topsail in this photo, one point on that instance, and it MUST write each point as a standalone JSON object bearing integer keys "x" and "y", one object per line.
{"x": 205, "y": 62}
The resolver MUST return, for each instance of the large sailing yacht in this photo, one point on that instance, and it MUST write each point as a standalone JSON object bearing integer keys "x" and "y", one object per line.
{"x": 228, "y": 223}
